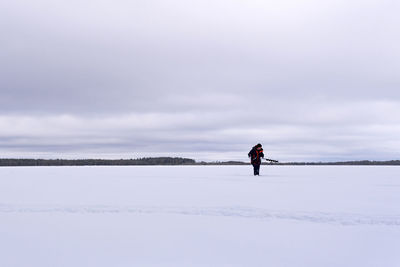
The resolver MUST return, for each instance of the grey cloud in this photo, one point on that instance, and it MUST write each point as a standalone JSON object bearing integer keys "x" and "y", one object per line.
{"x": 200, "y": 77}
{"x": 201, "y": 134}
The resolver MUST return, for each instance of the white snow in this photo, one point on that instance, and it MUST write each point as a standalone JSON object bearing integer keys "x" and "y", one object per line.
{"x": 290, "y": 216}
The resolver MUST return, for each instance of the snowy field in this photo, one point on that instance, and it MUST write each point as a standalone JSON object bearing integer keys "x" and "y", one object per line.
{"x": 200, "y": 216}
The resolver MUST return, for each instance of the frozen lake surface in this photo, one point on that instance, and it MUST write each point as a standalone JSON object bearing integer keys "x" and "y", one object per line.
{"x": 200, "y": 216}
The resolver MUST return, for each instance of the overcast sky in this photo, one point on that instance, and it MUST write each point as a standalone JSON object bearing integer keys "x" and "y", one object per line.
{"x": 310, "y": 80}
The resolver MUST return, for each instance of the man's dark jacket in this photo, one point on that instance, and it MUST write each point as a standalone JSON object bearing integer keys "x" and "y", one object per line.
{"x": 255, "y": 154}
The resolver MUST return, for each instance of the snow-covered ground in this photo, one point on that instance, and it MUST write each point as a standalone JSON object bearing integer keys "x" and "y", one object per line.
{"x": 200, "y": 216}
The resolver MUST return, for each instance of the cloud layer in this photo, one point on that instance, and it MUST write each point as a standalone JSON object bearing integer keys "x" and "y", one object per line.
{"x": 311, "y": 80}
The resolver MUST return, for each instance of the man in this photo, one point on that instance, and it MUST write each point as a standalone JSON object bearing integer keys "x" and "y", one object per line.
{"x": 255, "y": 155}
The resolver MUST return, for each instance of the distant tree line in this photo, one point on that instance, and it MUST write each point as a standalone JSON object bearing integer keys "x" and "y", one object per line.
{"x": 354, "y": 163}
{"x": 168, "y": 161}
{"x": 223, "y": 163}
{"x": 359, "y": 162}
{"x": 97, "y": 162}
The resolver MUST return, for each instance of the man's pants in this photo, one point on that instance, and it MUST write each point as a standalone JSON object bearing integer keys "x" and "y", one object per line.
{"x": 256, "y": 169}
